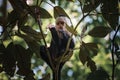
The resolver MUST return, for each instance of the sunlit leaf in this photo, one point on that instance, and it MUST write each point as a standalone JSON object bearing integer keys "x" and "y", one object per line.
{"x": 44, "y": 13}
{"x": 59, "y": 11}
{"x": 110, "y": 12}
{"x": 71, "y": 30}
{"x": 100, "y": 31}
{"x": 40, "y": 11}
{"x": 71, "y": 0}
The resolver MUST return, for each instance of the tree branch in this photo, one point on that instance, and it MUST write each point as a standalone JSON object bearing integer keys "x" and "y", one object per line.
{"x": 48, "y": 53}
{"x": 113, "y": 52}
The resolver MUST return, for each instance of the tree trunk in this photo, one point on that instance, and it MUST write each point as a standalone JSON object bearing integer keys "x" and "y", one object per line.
{"x": 56, "y": 74}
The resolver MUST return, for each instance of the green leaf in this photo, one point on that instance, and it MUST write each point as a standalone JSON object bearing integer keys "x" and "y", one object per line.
{"x": 40, "y": 11}
{"x": 92, "y": 65}
{"x": 53, "y": 1}
{"x": 18, "y": 5}
{"x": 83, "y": 31}
{"x": 92, "y": 47}
{"x": 88, "y": 8}
{"x": 29, "y": 78}
{"x": 22, "y": 19}
{"x": 67, "y": 57}
{"x": 59, "y": 11}
{"x": 71, "y": 30}
{"x": 22, "y": 54}
{"x": 83, "y": 56}
{"x": 71, "y": 0}
{"x": 46, "y": 77}
{"x": 31, "y": 32}
{"x": 117, "y": 40}
{"x": 100, "y": 31}
{"x": 110, "y": 11}
{"x": 2, "y": 48}
{"x": 23, "y": 57}
{"x": 82, "y": 1}
{"x": 9, "y": 62}
{"x": 1, "y": 69}
{"x": 3, "y": 13}
{"x": 2, "y": 51}
{"x": 93, "y": 4}
{"x": 33, "y": 45}
{"x": 99, "y": 74}
{"x": 44, "y": 13}
{"x": 12, "y": 18}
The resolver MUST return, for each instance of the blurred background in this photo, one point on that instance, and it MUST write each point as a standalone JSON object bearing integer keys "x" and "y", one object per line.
{"x": 73, "y": 69}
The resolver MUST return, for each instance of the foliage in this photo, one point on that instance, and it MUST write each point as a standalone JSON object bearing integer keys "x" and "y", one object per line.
{"x": 15, "y": 24}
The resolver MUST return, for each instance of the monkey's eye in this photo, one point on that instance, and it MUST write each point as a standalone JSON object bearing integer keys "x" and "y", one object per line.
{"x": 60, "y": 22}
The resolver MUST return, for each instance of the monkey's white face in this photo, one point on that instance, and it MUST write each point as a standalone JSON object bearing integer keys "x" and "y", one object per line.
{"x": 60, "y": 23}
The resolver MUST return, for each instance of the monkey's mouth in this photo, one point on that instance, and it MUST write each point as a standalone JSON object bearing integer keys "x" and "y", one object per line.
{"x": 61, "y": 28}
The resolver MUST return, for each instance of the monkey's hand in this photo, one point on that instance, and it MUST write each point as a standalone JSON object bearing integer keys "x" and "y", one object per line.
{"x": 50, "y": 26}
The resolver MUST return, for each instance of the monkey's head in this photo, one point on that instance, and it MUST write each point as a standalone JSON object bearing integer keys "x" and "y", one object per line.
{"x": 60, "y": 23}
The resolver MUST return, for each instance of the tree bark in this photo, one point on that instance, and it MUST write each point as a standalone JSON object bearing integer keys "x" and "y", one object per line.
{"x": 56, "y": 74}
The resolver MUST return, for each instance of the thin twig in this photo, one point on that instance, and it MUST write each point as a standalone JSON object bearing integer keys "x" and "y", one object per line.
{"x": 68, "y": 43}
{"x": 112, "y": 51}
{"x": 81, "y": 7}
{"x": 48, "y": 53}
{"x": 48, "y": 3}
{"x": 40, "y": 3}
{"x": 37, "y": 2}
{"x": 98, "y": 13}
{"x": 42, "y": 33}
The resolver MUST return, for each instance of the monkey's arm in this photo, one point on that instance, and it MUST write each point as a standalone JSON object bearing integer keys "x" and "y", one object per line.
{"x": 55, "y": 36}
{"x": 66, "y": 37}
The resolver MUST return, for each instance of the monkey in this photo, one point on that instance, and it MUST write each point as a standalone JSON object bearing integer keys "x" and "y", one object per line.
{"x": 60, "y": 37}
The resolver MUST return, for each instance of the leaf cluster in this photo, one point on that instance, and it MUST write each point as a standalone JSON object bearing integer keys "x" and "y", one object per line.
{"x": 15, "y": 55}
{"x": 109, "y": 10}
